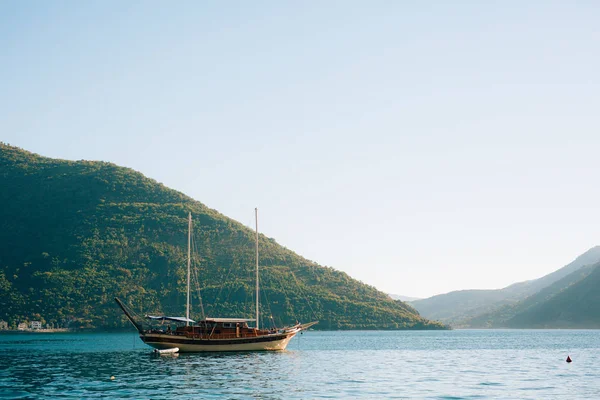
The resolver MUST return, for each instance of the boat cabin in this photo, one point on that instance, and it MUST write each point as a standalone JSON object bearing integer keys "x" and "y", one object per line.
{"x": 211, "y": 328}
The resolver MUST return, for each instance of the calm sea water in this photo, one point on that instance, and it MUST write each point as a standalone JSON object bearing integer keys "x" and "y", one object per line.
{"x": 507, "y": 364}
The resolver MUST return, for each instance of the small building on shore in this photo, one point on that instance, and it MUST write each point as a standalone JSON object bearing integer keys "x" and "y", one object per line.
{"x": 3, "y": 325}
{"x": 22, "y": 326}
{"x": 36, "y": 325}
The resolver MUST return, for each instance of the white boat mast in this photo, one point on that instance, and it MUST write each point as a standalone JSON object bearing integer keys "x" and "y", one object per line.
{"x": 256, "y": 218}
{"x": 189, "y": 260}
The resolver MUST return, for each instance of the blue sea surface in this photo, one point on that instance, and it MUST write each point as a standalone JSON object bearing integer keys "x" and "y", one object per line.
{"x": 460, "y": 364}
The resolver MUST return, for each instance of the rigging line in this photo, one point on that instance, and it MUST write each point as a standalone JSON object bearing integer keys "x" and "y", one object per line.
{"x": 288, "y": 302}
{"x": 228, "y": 296}
{"x": 267, "y": 302}
{"x": 268, "y": 309}
{"x": 231, "y": 286}
{"x": 135, "y": 315}
{"x": 249, "y": 299}
{"x": 227, "y": 284}
{"x": 196, "y": 274}
{"x": 214, "y": 305}
{"x": 196, "y": 281}
{"x": 305, "y": 296}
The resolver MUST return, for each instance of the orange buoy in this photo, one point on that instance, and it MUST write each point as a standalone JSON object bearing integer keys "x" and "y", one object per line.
{"x": 569, "y": 359}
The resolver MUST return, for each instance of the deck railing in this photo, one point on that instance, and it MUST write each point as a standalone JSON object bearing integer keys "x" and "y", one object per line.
{"x": 221, "y": 335}
{"x": 197, "y": 335}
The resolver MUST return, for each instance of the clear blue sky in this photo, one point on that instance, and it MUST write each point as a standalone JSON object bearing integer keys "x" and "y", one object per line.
{"x": 421, "y": 147}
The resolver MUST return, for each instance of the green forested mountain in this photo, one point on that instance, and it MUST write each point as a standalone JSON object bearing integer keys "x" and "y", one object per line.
{"x": 566, "y": 303}
{"x": 486, "y": 308}
{"x": 73, "y": 235}
{"x": 454, "y": 307}
{"x": 574, "y": 306}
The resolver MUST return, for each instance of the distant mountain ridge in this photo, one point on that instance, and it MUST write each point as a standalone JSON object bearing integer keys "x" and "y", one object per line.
{"x": 75, "y": 234}
{"x": 524, "y": 314}
{"x": 494, "y": 308}
{"x": 574, "y": 306}
{"x": 403, "y": 298}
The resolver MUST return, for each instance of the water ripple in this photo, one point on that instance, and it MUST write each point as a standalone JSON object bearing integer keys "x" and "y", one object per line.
{"x": 432, "y": 365}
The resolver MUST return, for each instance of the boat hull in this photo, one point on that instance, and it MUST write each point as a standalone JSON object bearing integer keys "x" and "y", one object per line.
{"x": 275, "y": 342}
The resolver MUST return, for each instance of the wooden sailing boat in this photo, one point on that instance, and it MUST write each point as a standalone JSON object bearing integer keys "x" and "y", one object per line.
{"x": 215, "y": 334}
